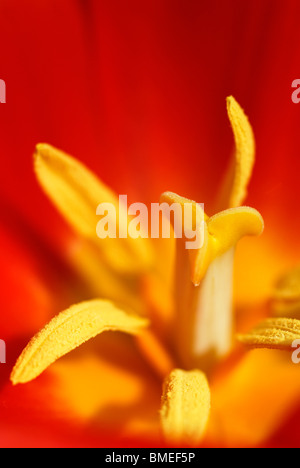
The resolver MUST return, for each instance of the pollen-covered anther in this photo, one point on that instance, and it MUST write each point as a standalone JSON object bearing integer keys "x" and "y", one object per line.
{"x": 274, "y": 333}
{"x": 244, "y": 159}
{"x": 70, "y": 329}
{"x": 185, "y": 407}
{"x": 76, "y": 192}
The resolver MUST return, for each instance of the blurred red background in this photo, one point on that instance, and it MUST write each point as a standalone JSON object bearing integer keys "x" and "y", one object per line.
{"x": 136, "y": 90}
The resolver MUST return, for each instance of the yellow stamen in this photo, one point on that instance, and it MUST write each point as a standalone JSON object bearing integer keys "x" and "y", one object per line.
{"x": 185, "y": 407}
{"x": 69, "y": 330}
{"x": 274, "y": 333}
{"x": 76, "y": 192}
{"x": 237, "y": 179}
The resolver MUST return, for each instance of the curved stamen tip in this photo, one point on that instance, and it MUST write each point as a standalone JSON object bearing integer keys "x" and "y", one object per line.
{"x": 224, "y": 230}
{"x": 244, "y": 153}
{"x": 221, "y": 232}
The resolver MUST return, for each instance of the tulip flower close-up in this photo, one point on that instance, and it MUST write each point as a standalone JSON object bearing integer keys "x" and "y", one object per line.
{"x": 136, "y": 340}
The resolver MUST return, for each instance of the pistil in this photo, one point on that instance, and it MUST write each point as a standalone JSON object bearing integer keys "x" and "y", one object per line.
{"x": 204, "y": 313}
{"x": 203, "y": 322}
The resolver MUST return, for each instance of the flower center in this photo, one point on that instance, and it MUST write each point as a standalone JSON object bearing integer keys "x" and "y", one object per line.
{"x": 203, "y": 285}
{"x": 204, "y": 313}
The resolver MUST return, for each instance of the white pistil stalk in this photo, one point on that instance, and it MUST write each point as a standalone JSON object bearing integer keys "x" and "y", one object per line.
{"x": 204, "y": 321}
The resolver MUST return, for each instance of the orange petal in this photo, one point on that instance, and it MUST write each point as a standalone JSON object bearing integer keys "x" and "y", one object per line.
{"x": 250, "y": 403}
{"x": 110, "y": 388}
